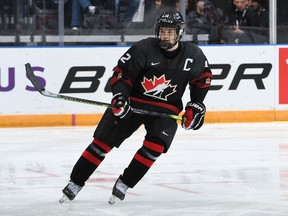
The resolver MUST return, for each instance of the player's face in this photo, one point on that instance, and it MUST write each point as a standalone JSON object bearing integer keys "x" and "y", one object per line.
{"x": 167, "y": 35}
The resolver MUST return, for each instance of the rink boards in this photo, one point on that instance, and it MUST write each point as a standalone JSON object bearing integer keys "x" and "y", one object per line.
{"x": 250, "y": 84}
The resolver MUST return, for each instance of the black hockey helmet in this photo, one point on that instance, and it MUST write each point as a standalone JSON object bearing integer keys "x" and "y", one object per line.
{"x": 172, "y": 19}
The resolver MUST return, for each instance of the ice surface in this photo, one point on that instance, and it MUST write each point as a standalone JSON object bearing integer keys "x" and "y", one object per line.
{"x": 220, "y": 170}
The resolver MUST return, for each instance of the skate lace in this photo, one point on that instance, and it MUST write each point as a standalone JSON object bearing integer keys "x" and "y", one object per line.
{"x": 121, "y": 186}
{"x": 74, "y": 188}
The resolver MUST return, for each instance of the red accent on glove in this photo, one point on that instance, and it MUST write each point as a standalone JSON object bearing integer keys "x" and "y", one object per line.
{"x": 187, "y": 118}
{"x": 193, "y": 118}
{"x": 121, "y": 106}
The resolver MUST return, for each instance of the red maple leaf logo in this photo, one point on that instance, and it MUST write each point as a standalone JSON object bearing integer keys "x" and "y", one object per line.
{"x": 158, "y": 87}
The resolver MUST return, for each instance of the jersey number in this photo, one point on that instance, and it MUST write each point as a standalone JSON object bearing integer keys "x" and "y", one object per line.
{"x": 125, "y": 58}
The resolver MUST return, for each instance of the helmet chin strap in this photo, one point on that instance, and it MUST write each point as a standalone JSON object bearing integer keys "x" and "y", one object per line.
{"x": 167, "y": 46}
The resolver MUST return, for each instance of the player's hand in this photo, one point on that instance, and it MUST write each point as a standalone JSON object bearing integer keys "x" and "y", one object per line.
{"x": 193, "y": 118}
{"x": 121, "y": 105}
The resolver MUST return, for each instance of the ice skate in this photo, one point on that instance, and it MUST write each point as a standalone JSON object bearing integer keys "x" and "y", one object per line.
{"x": 70, "y": 192}
{"x": 118, "y": 192}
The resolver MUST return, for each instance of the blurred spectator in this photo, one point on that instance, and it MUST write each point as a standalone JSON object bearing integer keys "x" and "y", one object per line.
{"x": 178, "y": 6}
{"x": 260, "y": 7}
{"x": 131, "y": 7}
{"x": 205, "y": 19}
{"x": 153, "y": 9}
{"x": 81, "y": 8}
{"x": 20, "y": 10}
{"x": 169, "y": 5}
{"x": 249, "y": 3}
{"x": 241, "y": 24}
{"x": 282, "y": 21}
{"x": 158, "y": 4}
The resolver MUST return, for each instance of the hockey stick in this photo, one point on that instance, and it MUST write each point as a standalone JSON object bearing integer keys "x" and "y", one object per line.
{"x": 31, "y": 76}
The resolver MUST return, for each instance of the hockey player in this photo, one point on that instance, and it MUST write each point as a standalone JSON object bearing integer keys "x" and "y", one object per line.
{"x": 153, "y": 74}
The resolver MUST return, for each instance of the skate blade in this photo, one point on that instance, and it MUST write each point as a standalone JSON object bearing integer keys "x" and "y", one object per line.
{"x": 112, "y": 199}
{"x": 63, "y": 199}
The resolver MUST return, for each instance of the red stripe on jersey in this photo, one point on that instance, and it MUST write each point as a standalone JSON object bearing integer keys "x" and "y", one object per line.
{"x": 143, "y": 160}
{"x": 91, "y": 158}
{"x": 159, "y": 104}
{"x": 204, "y": 81}
{"x": 114, "y": 80}
{"x": 117, "y": 69}
{"x": 102, "y": 145}
{"x": 153, "y": 146}
{"x": 118, "y": 75}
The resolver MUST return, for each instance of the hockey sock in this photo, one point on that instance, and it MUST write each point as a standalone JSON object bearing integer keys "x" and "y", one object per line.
{"x": 90, "y": 159}
{"x": 141, "y": 163}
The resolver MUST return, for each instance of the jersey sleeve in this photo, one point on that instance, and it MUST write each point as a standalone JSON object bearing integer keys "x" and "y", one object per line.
{"x": 200, "y": 84}
{"x": 128, "y": 67}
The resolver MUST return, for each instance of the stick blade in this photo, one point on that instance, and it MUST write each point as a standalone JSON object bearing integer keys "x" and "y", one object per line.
{"x": 33, "y": 79}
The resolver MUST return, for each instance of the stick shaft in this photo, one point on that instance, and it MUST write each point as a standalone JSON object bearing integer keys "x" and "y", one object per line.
{"x": 41, "y": 89}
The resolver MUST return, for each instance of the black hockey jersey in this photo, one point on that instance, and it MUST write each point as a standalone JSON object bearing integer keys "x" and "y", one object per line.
{"x": 156, "y": 80}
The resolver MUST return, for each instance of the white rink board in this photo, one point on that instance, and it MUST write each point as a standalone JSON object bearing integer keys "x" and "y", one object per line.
{"x": 56, "y": 62}
{"x": 247, "y": 96}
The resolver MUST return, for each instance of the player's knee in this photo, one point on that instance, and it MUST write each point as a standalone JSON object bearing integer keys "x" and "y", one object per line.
{"x": 99, "y": 148}
{"x": 152, "y": 150}
{"x": 161, "y": 142}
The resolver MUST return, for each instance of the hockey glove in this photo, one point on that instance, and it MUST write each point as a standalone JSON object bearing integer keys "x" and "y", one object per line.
{"x": 121, "y": 106}
{"x": 193, "y": 118}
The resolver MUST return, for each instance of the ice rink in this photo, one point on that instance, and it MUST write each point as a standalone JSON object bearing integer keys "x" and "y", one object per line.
{"x": 220, "y": 170}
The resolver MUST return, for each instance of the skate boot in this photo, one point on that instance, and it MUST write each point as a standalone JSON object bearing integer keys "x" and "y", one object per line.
{"x": 70, "y": 192}
{"x": 119, "y": 191}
